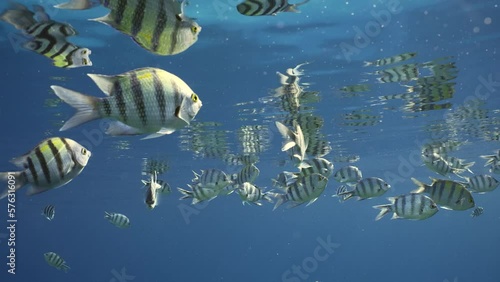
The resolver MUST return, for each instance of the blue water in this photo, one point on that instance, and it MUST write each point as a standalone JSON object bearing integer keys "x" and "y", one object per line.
{"x": 235, "y": 61}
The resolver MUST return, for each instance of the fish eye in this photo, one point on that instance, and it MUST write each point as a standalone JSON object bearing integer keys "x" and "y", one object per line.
{"x": 194, "y": 98}
{"x": 194, "y": 29}
{"x": 84, "y": 151}
{"x": 84, "y": 52}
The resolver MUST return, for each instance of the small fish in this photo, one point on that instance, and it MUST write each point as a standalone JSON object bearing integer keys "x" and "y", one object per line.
{"x": 341, "y": 193}
{"x": 53, "y": 163}
{"x": 436, "y": 163}
{"x": 448, "y": 194}
{"x": 250, "y": 193}
{"x": 391, "y": 60}
{"x": 49, "y": 212}
{"x": 56, "y": 261}
{"x": 159, "y": 26}
{"x": 293, "y": 139}
{"x": 346, "y": 159}
{"x": 492, "y": 159}
{"x": 212, "y": 178}
{"x": 482, "y": 183}
{"x": 198, "y": 193}
{"x": 458, "y": 163}
{"x": 348, "y": 174}
{"x": 152, "y": 189}
{"x": 248, "y": 173}
{"x": 147, "y": 100}
{"x": 411, "y": 206}
{"x": 398, "y": 74}
{"x": 267, "y": 7}
{"x": 245, "y": 159}
{"x": 477, "y": 212}
{"x": 306, "y": 189}
{"x": 117, "y": 219}
{"x": 367, "y": 188}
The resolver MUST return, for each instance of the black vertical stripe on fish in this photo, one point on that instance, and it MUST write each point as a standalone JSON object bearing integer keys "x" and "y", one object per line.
{"x": 161, "y": 24}
{"x": 177, "y": 96}
{"x": 69, "y": 57}
{"x": 33, "y": 171}
{"x": 259, "y": 5}
{"x": 120, "y": 101}
{"x": 462, "y": 191}
{"x": 273, "y": 7}
{"x": 43, "y": 164}
{"x": 403, "y": 205}
{"x": 120, "y": 11}
{"x": 452, "y": 192}
{"x": 48, "y": 37}
{"x": 173, "y": 37}
{"x": 160, "y": 98}
{"x": 138, "y": 96}
{"x": 70, "y": 151}
{"x": 57, "y": 156}
{"x": 107, "y": 107}
{"x": 63, "y": 31}
{"x": 413, "y": 205}
{"x": 61, "y": 51}
{"x": 138, "y": 17}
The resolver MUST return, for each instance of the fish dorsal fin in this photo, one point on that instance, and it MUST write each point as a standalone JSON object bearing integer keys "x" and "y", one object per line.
{"x": 104, "y": 82}
{"x": 108, "y": 20}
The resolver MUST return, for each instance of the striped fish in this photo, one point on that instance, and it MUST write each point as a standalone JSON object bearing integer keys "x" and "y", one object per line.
{"x": 159, "y": 26}
{"x": 491, "y": 159}
{"x": 54, "y": 162}
{"x": 391, "y": 60}
{"x": 247, "y": 174}
{"x": 49, "y": 212}
{"x": 308, "y": 167}
{"x": 152, "y": 190}
{"x": 56, "y": 261}
{"x": 411, "y": 206}
{"x": 267, "y": 7}
{"x": 458, "y": 163}
{"x": 198, "y": 193}
{"x": 306, "y": 189}
{"x": 482, "y": 183}
{"x": 348, "y": 174}
{"x": 341, "y": 190}
{"x": 252, "y": 194}
{"x": 117, "y": 219}
{"x": 146, "y": 100}
{"x": 495, "y": 167}
{"x": 437, "y": 164}
{"x": 47, "y": 37}
{"x": 398, "y": 74}
{"x": 367, "y": 188}
{"x": 448, "y": 194}
{"x": 477, "y": 212}
{"x": 212, "y": 179}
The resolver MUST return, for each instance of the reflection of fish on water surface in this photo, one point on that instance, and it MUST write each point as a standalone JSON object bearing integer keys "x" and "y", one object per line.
{"x": 267, "y": 7}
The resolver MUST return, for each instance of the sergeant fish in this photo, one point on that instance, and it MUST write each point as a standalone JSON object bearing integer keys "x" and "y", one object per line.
{"x": 267, "y": 7}
{"x": 53, "y": 163}
{"x": 159, "y": 26}
{"x": 146, "y": 100}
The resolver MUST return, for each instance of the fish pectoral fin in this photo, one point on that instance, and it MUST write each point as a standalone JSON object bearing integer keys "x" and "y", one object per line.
{"x": 179, "y": 113}
{"x": 288, "y": 145}
{"x": 163, "y": 131}
{"x": 311, "y": 201}
{"x": 117, "y": 128}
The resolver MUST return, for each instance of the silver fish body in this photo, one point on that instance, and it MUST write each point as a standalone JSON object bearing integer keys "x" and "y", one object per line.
{"x": 147, "y": 100}
{"x": 482, "y": 183}
{"x": 411, "y": 206}
{"x": 348, "y": 174}
{"x": 249, "y": 193}
{"x": 56, "y": 261}
{"x": 53, "y": 163}
{"x": 367, "y": 188}
{"x": 49, "y": 212}
{"x": 198, "y": 193}
{"x": 448, "y": 194}
{"x": 215, "y": 179}
{"x": 267, "y": 7}
{"x": 117, "y": 219}
{"x": 306, "y": 189}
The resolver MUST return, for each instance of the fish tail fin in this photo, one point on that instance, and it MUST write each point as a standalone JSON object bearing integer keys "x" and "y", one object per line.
{"x": 107, "y": 215}
{"x": 346, "y": 195}
{"x": 467, "y": 166}
{"x": 86, "y": 106}
{"x": 293, "y": 7}
{"x": 267, "y": 197}
{"x": 281, "y": 199}
{"x": 384, "y": 209}
{"x": 367, "y": 64}
{"x": 185, "y": 194}
{"x": 18, "y": 16}
{"x": 19, "y": 179}
{"x": 78, "y": 4}
{"x": 421, "y": 186}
